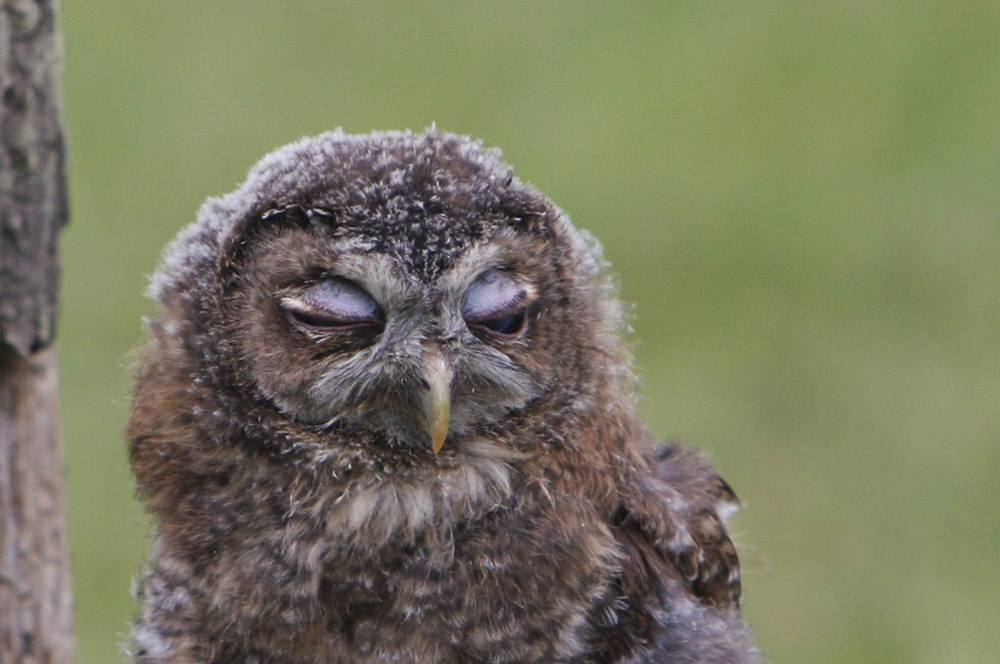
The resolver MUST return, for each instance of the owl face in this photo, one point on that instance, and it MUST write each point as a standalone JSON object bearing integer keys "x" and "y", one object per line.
{"x": 330, "y": 329}
{"x": 337, "y": 323}
{"x": 405, "y": 291}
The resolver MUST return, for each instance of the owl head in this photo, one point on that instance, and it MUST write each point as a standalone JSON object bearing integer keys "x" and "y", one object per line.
{"x": 404, "y": 288}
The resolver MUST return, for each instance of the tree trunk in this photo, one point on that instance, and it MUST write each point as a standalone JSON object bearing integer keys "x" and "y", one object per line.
{"x": 35, "y": 591}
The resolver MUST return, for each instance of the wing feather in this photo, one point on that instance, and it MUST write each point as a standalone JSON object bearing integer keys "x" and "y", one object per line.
{"x": 677, "y": 525}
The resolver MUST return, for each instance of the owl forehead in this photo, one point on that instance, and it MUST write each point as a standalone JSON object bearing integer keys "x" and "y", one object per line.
{"x": 440, "y": 255}
{"x": 424, "y": 232}
{"x": 424, "y": 245}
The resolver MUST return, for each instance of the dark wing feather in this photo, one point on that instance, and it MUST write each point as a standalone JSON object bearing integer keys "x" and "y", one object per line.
{"x": 678, "y": 518}
{"x": 680, "y": 580}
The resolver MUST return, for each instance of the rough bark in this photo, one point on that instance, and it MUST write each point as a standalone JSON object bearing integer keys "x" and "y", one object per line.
{"x": 35, "y": 591}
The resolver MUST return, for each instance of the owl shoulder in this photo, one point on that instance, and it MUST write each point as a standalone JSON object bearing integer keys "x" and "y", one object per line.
{"x": 675, "y": 523}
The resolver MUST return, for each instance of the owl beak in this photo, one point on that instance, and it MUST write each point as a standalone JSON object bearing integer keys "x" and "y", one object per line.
{"x": 436, "y": 399}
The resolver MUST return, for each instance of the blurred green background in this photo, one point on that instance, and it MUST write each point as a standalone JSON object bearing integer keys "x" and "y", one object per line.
{"x": 802, "y": 199}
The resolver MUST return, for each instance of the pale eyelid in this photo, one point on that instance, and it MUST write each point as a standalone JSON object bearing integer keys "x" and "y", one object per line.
{"x": 491, "y": 294}
{"x": 341, "y": 301}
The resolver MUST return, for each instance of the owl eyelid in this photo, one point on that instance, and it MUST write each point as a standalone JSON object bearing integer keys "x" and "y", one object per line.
{"x": 332, "y": 303}
{"x": 322, "y": 320}
{"x": 496, "y": 304}
{"x": 491, "y": 296}
{"x": 504, "y": 324}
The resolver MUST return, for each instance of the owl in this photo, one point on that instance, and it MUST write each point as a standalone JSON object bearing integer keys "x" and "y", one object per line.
{"x": 385, "y": 414}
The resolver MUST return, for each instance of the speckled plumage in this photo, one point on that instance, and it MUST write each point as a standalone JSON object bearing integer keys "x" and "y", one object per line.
{"x": 284, "y": 425}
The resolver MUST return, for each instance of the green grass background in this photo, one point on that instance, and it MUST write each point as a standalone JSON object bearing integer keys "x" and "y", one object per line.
{"x": 802, "y": 199}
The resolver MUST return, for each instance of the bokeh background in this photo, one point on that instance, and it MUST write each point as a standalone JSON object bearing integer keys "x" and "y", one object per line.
{"x": 802, "y": 199}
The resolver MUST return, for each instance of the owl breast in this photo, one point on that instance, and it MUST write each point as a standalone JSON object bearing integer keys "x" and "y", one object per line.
{"x": 351, "y": 573}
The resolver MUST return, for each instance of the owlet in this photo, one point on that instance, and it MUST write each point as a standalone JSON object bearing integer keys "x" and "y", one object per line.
{"x": 384, "y": 414}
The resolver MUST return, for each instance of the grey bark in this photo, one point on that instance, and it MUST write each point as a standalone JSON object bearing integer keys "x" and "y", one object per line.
{"x": 35, "y": 591}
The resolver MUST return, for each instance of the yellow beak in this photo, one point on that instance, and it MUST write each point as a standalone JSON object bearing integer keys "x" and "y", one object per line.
{"x": 436, "y": 399}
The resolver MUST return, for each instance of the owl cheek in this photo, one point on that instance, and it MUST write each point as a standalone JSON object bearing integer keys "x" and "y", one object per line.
{"x": 485, "y": 393}
{"x": 306, "y": 389}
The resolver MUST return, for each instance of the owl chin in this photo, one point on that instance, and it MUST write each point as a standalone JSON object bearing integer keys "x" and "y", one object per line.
{"x": 403, "y": 509}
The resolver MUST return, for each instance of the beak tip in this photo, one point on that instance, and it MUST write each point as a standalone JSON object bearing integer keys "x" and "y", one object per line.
{"x": 437, "y": 398}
